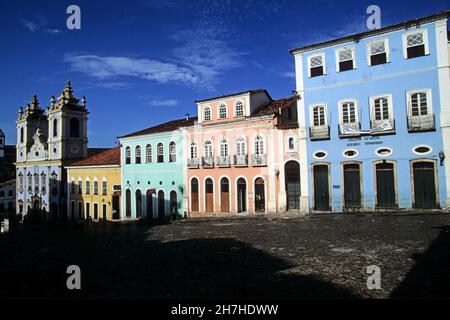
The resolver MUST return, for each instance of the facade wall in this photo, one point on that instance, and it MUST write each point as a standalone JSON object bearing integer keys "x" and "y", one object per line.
{"x": 80, "y": 199}
{"x": 153, "y": 176}
{"x": 8, "y": 197}
{"x": 276, "y": 154}
{"x": 394, "y": 79}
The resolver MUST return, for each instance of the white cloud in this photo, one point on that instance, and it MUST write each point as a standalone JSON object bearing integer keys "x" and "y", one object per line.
{"x": 39, "y": 25}
{"x": 106, "y": 67}
{"x": 163, "y": 103}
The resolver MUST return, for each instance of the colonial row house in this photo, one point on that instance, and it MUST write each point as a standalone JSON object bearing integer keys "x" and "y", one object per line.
{"x": 376, "y": 108}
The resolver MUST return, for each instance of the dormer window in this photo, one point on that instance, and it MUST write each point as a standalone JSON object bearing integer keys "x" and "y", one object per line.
{"x": 222, "y": 111}
{"x": 415, "y": 44}
{"x": 207, "y": 114}
{"x": 317, "y": 65}
{"x": 378, "y": 52}
{"x": 239, "y": 109}
{"x": 345, "y": 59}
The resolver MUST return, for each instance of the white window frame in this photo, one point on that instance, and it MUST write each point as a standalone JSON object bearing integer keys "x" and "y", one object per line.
{"x": 193, "y": 150}
{"x": 294, "y": 138}
{"x": 386, "y": 48}
{"x": 261, "y": 143}
{"x": 235, "y": 108}
{"x": 324, "y": 64}
{"x": 425, "y": 40}
{"x": 223, "y": 142}
{"x": 204, "y": 113}
{"x": 341, "y": 115}
{"x": 210, "y": 144}
{"x": 218, "y": 111}
{"x": 242, "y": 150}
{"x": 429, "y": 100}
{"x": 148, "y": 153}
{"x": 311, "y": 114}
{"x": 372, "y": 106}
{"x": 337, "y": 51}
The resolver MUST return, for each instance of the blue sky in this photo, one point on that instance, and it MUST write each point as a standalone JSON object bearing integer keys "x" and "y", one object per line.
{"x": 142, "y": 62}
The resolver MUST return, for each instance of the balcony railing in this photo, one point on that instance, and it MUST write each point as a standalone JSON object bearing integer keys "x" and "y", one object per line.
{"x": 382, "y": 126}
{"x": 349, "y": 129}
{"x": 241, "y": 161}
{"x": 319, "y": 132}
{"x": 421, "y": 123}
{"x": 223, "y": 161}
{"x": 259, "y": 160}
{"x": 193, "y": 163}
{"x": 208, "y": 162}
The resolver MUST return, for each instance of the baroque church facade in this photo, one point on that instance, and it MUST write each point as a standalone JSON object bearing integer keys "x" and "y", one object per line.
{"x": 47, "y": 141}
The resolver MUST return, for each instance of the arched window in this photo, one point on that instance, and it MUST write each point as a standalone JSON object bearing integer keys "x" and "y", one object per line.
{"x": 127, "y": 155}
{"x": 160, "y": 152}
{"x": 74, "y": 128}
{"x": 128, "y": 203}
{"x": 148, "y": 153}
{"x": 239, "y": 109}
{"x": 138, "y": 154}
{"x": 172, "y": 152}
{"x": 194, "y": 195}
{"x": 223, "y": 145}
{"x": 259, "y": 145}
{"x": 208, "y": 149}
{"x": 193, "y": 150}
{"x": 291, "y": 144}
{"x": 240, "y": 146}
{"x": 173, "y": 203}
{"x": 55, "y": 127}
{"x": 207, "y": 114}
{"x": 222, "y": 111}
{"x": 138, "y": 204}
{"x": 21, "y": 135}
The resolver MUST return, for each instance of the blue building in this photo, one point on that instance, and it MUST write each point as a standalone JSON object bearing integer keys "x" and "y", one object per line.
{"x": 376, "y": 117}
{"x": 154, "y": 171}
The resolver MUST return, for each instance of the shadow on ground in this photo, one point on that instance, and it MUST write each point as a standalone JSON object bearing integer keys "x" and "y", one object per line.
{"x": 118, "y": 261}
{"x": 430, "y": 276}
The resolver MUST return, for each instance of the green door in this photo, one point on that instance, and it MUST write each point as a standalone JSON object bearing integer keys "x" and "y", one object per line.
{"x": 352, "y": 185}
{"x": 424, "y": 185}
{"x": 321, "y": 188}
{"x": 385, "y": 185}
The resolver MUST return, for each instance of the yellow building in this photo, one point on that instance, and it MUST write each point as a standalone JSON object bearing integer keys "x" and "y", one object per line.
{"x": 94, "y": 187}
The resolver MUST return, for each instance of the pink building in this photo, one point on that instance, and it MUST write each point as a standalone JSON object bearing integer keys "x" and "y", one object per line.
{"x": 244, "y": 156}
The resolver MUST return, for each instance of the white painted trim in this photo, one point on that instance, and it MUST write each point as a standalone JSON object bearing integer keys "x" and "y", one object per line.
{"x": 350, "y": 157}
{"x": 372, "y": 105}
{"x": 214, "y": 193}
{"x": 338, "y": 51}
{"x": 386, "y": 47}
{"x": 318, "y": 158}
{"x": 424, "y": 31}
{"x": 220, "y": 193}
{"x": 340, "y": 104}
{"x": 324, "y": 64}
{"x": 311, "y": 113}
{"x": 223, "y": 103}
{"x": 246, "y": 194}
{"x": 413, "y": 149}
{"x": 266, "y": 194}
{"x": 429, "y": 100}
{"x": 391, "y": 151}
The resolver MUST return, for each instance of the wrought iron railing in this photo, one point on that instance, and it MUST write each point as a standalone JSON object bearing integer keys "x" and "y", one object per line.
{"x": 241, "y": 161}
{"x": 208, "y": 162}
{"x": 193, "y": 163}
{"x": 421, "y": 123}
{"x": 223, "y": 161}
{"x": 319, "y": 132}
{"x": 259, "y": 160}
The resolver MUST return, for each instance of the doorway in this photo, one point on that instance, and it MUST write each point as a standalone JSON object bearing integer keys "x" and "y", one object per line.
{"x": 424, "y": 181}
{"x": 321, "y": 187}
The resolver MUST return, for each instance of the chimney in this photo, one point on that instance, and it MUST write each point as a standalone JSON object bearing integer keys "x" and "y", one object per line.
{"x": 187, "y": 116}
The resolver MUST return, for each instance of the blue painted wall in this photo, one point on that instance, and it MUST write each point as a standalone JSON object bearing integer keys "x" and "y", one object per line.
{"x": 395, "y": 78}
{"x": 166, "y": 176}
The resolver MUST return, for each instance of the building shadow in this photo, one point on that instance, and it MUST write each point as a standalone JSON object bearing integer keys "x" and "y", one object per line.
{"x": 121, "y": 262}
{"x": 430, "y": 276}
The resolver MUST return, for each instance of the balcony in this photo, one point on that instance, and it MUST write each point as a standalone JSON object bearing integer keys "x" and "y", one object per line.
{"x": 241, "y": 161}
{"x": 259, "y": 160}
{"x": 319, "y": 132}
{"x": 223, "y": 161}
{"x": 348, "y": 130}
{"x": 193, "y": 163}
{"x": 379, "y": 127}
{"x": 208, "y": 162}
{"x": 421, "y": 123}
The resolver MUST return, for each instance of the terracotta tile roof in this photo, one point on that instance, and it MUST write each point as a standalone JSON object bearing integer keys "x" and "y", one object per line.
{"x": 234, "y": 94}
{"x": 94, "y": 151}
{"x": 273, "y": 106}
{"x": 108, "y": 157}
{"x": 164, "y": 127}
